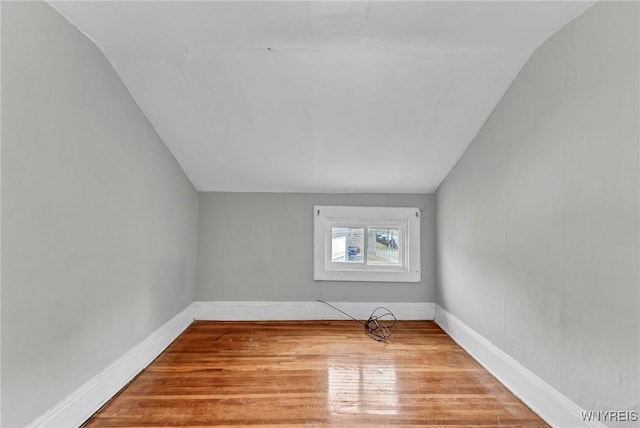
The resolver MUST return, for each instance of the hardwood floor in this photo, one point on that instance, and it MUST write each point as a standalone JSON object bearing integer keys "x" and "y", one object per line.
{"x": 314, "y": 373}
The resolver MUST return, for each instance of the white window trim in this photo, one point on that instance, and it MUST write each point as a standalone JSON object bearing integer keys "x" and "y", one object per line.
{"x": 408, "y": 219}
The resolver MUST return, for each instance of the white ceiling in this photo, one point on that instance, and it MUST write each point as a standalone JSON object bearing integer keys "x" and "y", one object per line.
{"x": 318, "y": 96}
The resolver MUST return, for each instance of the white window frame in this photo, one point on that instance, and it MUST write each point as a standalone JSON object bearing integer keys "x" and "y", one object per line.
{"x": 406, "y": 219}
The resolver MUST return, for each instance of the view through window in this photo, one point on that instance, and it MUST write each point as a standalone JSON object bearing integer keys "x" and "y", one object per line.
{"x": 369, "y": 245}
{"x": 366, "y": 244}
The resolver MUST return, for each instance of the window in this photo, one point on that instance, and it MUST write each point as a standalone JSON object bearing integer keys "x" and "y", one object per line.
{"x": 366, "y": 244}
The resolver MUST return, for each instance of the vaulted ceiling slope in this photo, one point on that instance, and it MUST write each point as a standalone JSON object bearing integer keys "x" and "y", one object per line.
{"x": 318, "y": 96}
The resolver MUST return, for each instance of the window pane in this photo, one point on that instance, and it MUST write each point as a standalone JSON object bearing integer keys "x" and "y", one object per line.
{"x": 347, "y": 244}
{"x": 384, "y": 245}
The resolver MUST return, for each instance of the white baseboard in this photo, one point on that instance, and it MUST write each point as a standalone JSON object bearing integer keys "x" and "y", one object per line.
{"x": 552, "y": 406}
{"x": 75, "y": 409}
{"x": 282, "y": 311}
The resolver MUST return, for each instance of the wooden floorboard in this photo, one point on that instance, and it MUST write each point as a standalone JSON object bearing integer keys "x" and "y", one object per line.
{"x": 314, "y": 373}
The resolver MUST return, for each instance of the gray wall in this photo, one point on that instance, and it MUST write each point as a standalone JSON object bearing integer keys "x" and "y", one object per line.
{"x": 99, "y": 222}
{"x": 538, "y": 221}
{"x": 259, "y": 247}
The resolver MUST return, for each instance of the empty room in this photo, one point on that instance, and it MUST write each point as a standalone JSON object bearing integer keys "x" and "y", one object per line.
{"x": 320, "y": 213}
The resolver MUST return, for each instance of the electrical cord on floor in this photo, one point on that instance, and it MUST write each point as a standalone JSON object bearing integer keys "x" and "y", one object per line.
{"x": 380, "y": 326}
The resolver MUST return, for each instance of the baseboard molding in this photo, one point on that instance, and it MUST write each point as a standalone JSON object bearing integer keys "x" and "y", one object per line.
{"x": 287, "y": 311}
{"x": 75, "y": 409}
{"x": 552, "y": 406}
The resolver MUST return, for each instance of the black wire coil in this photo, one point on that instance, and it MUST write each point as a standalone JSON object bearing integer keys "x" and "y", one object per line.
{"x": 381, "y": 323}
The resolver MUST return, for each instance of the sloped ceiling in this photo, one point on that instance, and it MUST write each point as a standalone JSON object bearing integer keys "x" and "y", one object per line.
{"x": 318, "y": 96}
